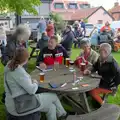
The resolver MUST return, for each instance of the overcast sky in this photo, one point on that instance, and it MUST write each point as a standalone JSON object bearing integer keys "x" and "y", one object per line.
{"x": 107, "y": 4}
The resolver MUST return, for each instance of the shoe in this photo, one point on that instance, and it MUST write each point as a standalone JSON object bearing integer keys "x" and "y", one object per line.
{"x": 63, "y": 117}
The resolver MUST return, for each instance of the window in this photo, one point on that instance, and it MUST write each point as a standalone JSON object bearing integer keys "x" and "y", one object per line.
{"x": 83, "y": 6}
{"x": 105, "y": 13}
{"x": 59, "y": 6}
{"x": 72, "y": 6}
{"x": 100, "y": 21}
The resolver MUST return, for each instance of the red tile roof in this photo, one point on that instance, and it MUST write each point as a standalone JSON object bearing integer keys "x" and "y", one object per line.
{"x": 115, "y": 12}
{"x": 79, "y": 14}
{"x": 115, "y": 9}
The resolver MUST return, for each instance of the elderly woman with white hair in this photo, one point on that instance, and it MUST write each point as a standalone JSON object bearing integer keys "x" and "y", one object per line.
{"x": 108, "y": 69}
{"x": 88, "y": 55}
{"x": 18, "y": 39}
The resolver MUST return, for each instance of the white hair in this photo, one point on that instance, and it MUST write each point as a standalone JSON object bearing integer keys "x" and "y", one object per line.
{"x": 22, "y": 32}
{"x": 107, "y": 47}
{"x": 85, "y": 42}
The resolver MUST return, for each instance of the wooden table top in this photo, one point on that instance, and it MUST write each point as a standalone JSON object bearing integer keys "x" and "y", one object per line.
{"x": 63, "y": 75}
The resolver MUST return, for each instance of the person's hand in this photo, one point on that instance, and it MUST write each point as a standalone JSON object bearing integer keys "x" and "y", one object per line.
{"x": 84, "y": 59}
{"x": 43, "y": 66}
{"x": 87, "y": 72}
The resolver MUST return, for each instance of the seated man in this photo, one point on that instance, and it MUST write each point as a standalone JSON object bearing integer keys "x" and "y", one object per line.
{"x": 107, "y": 67}
{"x": 88, "y": 56}
{"x": 53, "y": 52}
{"x": 104, "y": 37}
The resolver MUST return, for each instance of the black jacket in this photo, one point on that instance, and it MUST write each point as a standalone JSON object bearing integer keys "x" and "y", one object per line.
{"x": 43, "y": 42}
{"x": 9, "y": 50}
{"x": 68, "y": 39}
{"x": 104, "y": 37}
{"x": 109, "y": 71}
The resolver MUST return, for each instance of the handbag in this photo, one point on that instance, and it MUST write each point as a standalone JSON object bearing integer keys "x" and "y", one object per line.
{"x": 24, "y": 103}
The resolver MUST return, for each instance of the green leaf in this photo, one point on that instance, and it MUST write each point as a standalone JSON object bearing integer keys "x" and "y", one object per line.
{"x": 19, "y": 6}
{"x": 58, "y": 21}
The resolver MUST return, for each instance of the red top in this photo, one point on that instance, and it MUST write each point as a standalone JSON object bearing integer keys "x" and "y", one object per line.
{"x": 50, "y": 30}
{"x": 105, "y": 28}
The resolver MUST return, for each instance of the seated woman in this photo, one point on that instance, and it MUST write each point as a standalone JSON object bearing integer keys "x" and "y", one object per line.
{"x": 43, "y": 42}
{"x": 53, "y": 52}
{"x": 107, "y": 67}
{"x": 20, "y": 83}
{"x": 88, "y": 56}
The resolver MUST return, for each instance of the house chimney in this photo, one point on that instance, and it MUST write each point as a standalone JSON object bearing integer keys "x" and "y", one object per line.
{"x": 116, "y": 4}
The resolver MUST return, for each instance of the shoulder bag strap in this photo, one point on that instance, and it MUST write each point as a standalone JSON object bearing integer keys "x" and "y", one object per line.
{"x": 5, "y": 73}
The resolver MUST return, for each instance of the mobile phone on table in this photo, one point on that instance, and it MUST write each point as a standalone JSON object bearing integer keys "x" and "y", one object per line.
{"x": 53, "y": 85}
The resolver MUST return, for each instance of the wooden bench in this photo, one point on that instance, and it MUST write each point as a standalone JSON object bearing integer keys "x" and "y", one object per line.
{"x": 34, "y": 50}
{"x": 106, "y": 112}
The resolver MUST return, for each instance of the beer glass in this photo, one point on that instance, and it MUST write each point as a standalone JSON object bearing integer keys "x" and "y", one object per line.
{"x": 67, "y": 62}
{"x": 42, "y": 77}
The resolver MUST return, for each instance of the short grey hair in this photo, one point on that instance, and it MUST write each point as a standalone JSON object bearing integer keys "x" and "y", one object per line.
{"x": 85, "y": 42}
{"x": 22, "y": 32}
{"x": 107, "y": 47}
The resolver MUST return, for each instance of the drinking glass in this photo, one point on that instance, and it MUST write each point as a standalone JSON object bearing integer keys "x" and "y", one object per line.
{"x": 67, "y": 62}
{"x": 56, "y": 65}
{"x": 42, "y": 74}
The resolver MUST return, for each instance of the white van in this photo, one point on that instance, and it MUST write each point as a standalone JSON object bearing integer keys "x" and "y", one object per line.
{"x": 115, "y": 25}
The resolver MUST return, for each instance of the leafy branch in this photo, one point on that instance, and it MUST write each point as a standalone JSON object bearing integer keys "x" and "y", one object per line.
{"x": 19, "y": 6}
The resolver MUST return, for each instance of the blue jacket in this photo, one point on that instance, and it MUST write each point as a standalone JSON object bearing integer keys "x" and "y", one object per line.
{"x": 82, "y": 25}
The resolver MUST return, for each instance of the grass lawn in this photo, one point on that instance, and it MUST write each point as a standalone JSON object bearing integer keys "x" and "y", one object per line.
{"x": 31, "y": 67}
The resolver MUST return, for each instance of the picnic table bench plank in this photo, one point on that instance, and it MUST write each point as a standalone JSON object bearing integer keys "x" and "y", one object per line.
{"x": 106, "y": 112}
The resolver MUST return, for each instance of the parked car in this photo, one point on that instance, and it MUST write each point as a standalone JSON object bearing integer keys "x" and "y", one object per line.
{"x": 115, "y": 25}
{"x": 89, "y": 28}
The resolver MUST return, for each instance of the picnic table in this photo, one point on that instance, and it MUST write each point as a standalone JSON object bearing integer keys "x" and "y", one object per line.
{"x": 34, "y": 50}
{"x": 63, "y": 75}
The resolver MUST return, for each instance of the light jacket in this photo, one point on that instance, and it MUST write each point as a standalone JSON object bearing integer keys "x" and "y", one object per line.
{"x": 20, "y": 83}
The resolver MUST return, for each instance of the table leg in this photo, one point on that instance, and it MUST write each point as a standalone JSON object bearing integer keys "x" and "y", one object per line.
{"x": 32, "y": 52}
{"x": 84, "y": 101}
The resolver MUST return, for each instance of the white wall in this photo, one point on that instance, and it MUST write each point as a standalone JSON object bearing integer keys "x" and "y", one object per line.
{"x": 99, "y": 15}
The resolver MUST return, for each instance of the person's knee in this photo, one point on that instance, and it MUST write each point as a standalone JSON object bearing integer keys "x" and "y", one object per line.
{"x": 93, "y": 92}
{"x": 51, "y": 114}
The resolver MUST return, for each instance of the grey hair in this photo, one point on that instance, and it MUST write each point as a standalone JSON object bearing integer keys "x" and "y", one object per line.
{"x": 22, "y": 32}
{"x": 107, "y": 47}
{"x": 84, "y": 42}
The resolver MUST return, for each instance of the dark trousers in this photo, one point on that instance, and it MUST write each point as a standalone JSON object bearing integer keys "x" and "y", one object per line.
{"x": 33, "y": 116}
{"x": 76, "y": 43}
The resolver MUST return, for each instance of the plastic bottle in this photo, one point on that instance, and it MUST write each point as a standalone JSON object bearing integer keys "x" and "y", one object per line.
{"x": 74, "y": 76}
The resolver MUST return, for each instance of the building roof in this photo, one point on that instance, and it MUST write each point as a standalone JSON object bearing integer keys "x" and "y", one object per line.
{"x": 115, "y": 9}
{"x": 81, "y": 14}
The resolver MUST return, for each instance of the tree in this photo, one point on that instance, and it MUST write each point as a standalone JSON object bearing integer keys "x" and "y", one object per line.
{"x": 58, "y": 21}
{"x": 19, "y": 6}
{"x": 86, "y": 20}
